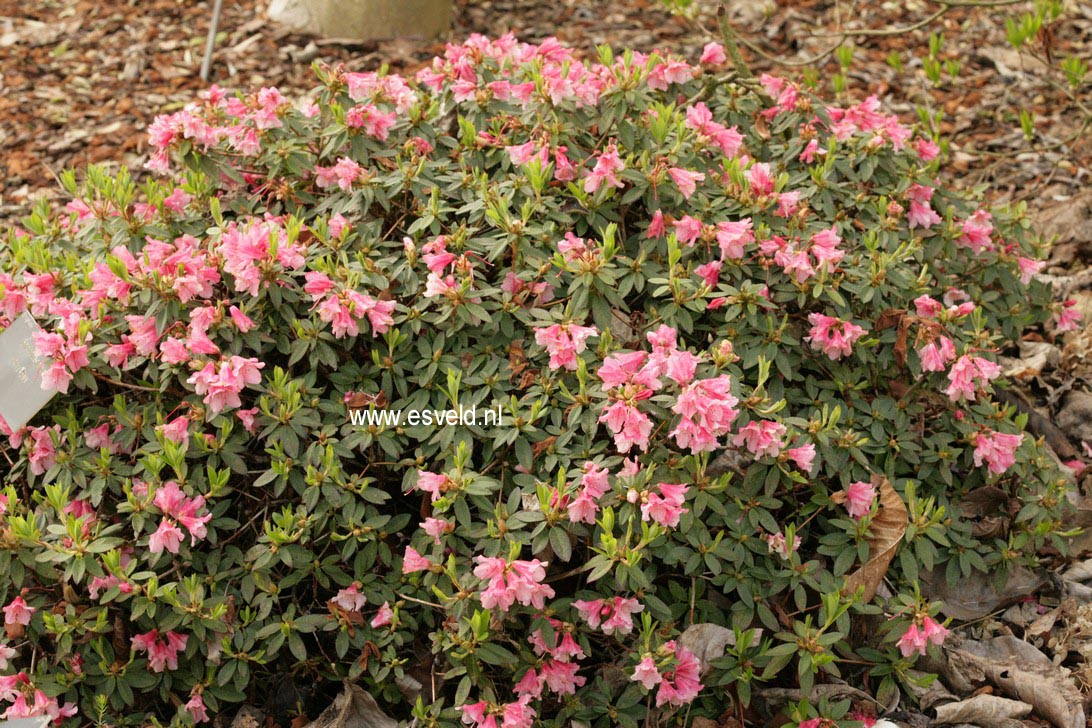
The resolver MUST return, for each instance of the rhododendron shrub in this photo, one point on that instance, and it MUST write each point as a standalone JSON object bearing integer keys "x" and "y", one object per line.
{"x": 725, "y": 324}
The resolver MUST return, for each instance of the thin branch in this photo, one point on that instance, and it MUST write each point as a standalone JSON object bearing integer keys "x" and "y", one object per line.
{"x": 108, "y": 380}
{"x": 729, "y": 36}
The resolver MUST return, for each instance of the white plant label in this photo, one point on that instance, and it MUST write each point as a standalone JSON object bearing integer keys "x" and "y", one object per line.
{"x": 21, "y": 369}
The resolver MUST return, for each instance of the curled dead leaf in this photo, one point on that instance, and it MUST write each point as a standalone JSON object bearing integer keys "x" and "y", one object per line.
{"x": 983, "y": 710}
{"x": 888, "y": 527}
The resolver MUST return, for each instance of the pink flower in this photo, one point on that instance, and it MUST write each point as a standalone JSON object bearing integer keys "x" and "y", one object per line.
{"x": 685, "y": 180}
{"x": 413, "y": 562}
{"x": 688, "y": 230}
{"x": 996, "y": 449}
{"x": 787, "y": 203}
{"x": 709, "y": 272}
{"x": 43, "y": 453}
{"x": 966, "y": 373}
{"x": 933, "y": 631}
{"x": 976, "y": 232}
{"x": 656, "y": 227}
{"x": 17, "y": 612}
{"x": 607, "y": 167}
{"x": 143, "y": 334}
{"x": 561, "y": 677}
{"x": 177, "y": 430}
{"x": 1029, "y": 268}
{"x": 593, "y": 486}
{"x": 927, "y": 149}
{"x": 921, "y": 212}
{"x": 913, "y": 640}
{"x": 936, "y": 354}
{"x": 242, "y": 322}
{"x": 509, "y": 583}
{"x": 196, "y": 708}
{"x": 646, "y": 673}
{"x": 833, "y": 336}
{"x": 432, "y": 483}
{"x": 859, "y": 498}
{"x": 761, "y": 437}
{"x": 436, "y": 527}
{"x": 6, "y": 653}
{"x": 712, "y": 54}
{"x": 803, "y": 456}
{"x": 681, "y": 684}
{"x": 665, "y": 507}
{"x": 564, "y": 342}
{"x": 629, "y": 425}
{"x": 927, "y": 306}
{"x": 530, "y": 685}
{"x": 614, "y": 615}
{"x": 1069, "y": 318}
{"x": 168, "y": 536}
{"x": 778, "y": 544}
{"x": 758, "y": 175}
{"x": 733, "y": 236}
{"x": 384, "y": 617}
{"x": 344, "y": 173}
{"x": 350, "y": 599}
{"x": 808, "y": 155}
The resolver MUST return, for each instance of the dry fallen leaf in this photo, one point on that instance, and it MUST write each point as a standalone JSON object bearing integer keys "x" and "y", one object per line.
{"x": 983, "y": 710}
{"x": 977, "y": 595}
{"x": 353, "y": 708}
{"x": 888, "y": 527}
{"x": 1033, "y": 680}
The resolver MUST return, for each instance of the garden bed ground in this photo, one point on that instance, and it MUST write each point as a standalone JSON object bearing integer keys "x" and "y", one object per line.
{"x": 81, "y": 79}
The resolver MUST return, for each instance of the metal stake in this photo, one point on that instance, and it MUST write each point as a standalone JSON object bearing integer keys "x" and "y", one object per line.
{"x": 206, "y": 62}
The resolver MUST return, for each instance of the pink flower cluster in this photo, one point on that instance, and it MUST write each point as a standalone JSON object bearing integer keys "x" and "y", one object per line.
{"x": 665, "y": 507}
{"x": 707, "y": 411}
{"x": 916, "y": 639}
{"x": 68, "y": 352}
{"x": 564, "y": 342}
{"x": 921, "y": 212}
{"x": 177, "y": 509}
{"x": 614, "y": 615}
{"x": 509, "y": 583}
{"x": 518, "y": 714}
{"x": 967, "y": 374}
{"x": 865, "y": 118}
{"x": 558, "y": 671}
{"x": 343, "y": 308}
{"x": 16, "y": 688}
{"x": 222, "y": 384}
{"x": 833, "y": 336}
{"x": 162, "y": 653}
{"x": 679, "y": 683}
{"x": 594, "y": 485}
{"x": 250, "y": 256}
{"x": 996, "y": 449}
{"x": 976, "y": 232}
{"x": 802, "y": 261}
{"x": 762, "y": 438}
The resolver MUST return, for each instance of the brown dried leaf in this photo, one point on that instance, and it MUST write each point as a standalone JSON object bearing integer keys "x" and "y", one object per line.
{"x": 976, "y": 596}
{"x": 353, "y": 708}
{"x": 888, "y": 527}
{"x": 984, "y": 710}
{"x": 1049, "y": 691}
